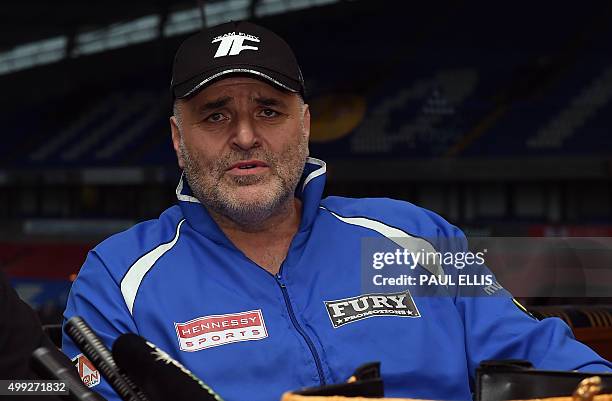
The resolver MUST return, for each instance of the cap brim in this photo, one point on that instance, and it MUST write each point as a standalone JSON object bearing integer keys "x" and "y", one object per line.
{"x": 194, "y": 85}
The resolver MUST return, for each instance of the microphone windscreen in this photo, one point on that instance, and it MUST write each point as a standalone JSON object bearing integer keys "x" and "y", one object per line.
{"x": 49, "y": 365}
{"x": 156, "y": 373}
{"x": 95, "y": 350}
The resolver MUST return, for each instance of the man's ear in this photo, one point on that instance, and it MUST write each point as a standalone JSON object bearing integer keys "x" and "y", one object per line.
{"x": 176, "y": 141}
{"x": 306, "y": 117}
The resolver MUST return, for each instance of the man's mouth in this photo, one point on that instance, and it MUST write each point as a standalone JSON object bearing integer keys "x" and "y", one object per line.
{"x": 247, "y": 167}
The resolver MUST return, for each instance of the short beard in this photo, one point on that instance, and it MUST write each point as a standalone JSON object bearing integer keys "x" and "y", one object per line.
{"x": 208, "y": 182}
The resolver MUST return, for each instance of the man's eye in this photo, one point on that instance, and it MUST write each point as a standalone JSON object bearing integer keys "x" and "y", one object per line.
{"x": 269, "y": 113}
{"x": 215, "y": 117}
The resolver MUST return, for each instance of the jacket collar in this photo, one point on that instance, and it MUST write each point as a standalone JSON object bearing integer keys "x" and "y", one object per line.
{"x": 309, "y": 191}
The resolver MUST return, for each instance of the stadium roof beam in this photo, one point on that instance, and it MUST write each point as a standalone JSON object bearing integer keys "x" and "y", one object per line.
{"x": 143, "y": 29}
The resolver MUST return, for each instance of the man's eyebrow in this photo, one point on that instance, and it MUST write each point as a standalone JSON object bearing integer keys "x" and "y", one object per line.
{"x": 269, "y": 101}
{"x": 215, "y": 104}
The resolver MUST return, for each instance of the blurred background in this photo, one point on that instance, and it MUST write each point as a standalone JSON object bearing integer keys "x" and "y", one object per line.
{"x": 496, "y": 115}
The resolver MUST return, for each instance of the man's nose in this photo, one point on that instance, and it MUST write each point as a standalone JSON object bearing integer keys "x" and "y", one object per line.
{"x": 245, "y": 135}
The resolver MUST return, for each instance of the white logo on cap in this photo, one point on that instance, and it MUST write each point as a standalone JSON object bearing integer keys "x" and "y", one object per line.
{"x": 231, "y": 43}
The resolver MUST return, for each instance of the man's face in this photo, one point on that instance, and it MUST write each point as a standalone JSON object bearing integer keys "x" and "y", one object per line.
{"x": 242, "y": 144}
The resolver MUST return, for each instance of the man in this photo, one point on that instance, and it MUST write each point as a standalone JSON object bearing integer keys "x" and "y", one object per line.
{"x": 20, "y": 335}
{"x": 254, "y": 282}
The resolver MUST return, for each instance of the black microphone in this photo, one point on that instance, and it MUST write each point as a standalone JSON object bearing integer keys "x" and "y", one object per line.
{"x": 155, "y": 372}
{"x": 95, "y": 350}
{"x": 49, "y": 365}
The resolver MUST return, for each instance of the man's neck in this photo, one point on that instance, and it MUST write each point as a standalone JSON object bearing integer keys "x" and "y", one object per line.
{"x": 267, "y": 242}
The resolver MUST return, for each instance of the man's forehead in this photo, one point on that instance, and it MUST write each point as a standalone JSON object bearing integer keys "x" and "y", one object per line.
{"x": 232, "y": 89}
{"x": 242, "y": 85}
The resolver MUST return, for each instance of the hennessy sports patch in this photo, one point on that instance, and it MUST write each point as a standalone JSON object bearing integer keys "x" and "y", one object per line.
{"x": 214, "y": 330}
{"x": 350, "y": 310}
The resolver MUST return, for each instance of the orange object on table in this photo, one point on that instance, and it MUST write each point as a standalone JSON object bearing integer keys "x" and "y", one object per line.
{"x": 296, "y": 397}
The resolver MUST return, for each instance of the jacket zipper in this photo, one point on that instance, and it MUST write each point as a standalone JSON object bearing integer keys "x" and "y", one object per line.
{"x": 299, "y": 329}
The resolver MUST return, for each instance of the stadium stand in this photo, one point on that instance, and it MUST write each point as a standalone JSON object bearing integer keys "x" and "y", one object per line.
{"x": 530, "y": 92}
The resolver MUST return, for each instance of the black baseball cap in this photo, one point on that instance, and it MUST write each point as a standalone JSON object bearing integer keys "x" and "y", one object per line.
{"x": 234, "y": 48}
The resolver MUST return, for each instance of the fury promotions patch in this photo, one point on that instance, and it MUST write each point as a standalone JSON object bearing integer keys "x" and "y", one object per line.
{"x": 214, "y": 330}
{"x": 350, "y": 310}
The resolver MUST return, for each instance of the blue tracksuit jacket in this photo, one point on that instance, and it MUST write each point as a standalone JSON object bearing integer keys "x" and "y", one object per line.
{"x": 180, "y": 283}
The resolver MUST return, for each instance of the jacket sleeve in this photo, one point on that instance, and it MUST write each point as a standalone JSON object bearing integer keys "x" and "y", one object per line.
{"x": 497, "y": 328}
{"x": 96, "y": 297}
